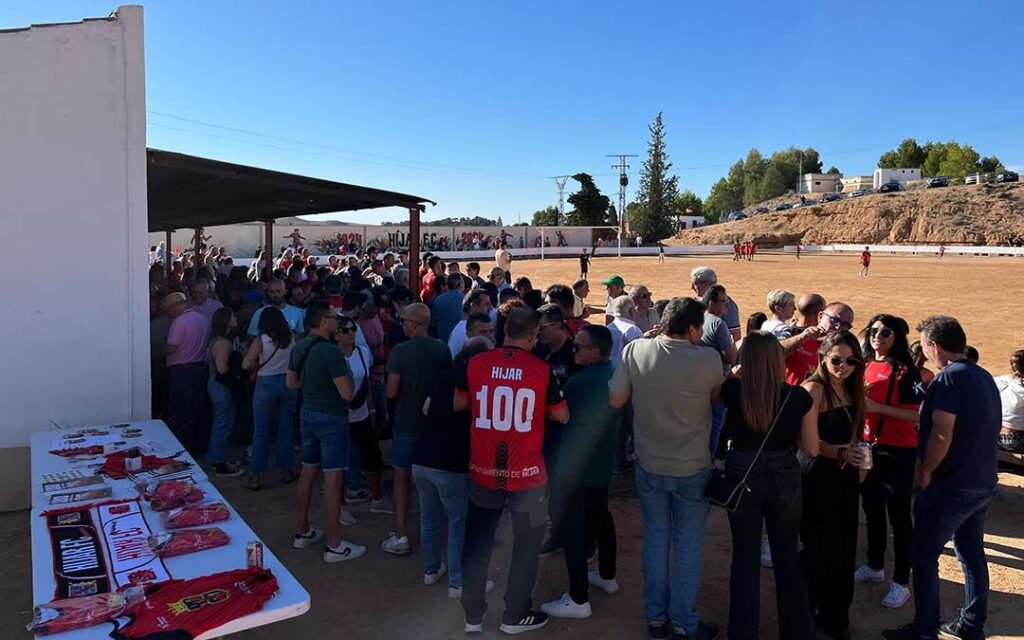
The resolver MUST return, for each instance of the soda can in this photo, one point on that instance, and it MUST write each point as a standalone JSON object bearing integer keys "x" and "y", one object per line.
{"x": 865, "y": 448}
{"x": 254, "y": 554}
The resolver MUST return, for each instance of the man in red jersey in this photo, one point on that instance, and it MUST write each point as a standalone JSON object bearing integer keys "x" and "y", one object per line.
{"x": 509, "y": 391}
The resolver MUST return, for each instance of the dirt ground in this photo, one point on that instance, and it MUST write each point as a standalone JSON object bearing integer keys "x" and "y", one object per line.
{"x": 381, "y": 596}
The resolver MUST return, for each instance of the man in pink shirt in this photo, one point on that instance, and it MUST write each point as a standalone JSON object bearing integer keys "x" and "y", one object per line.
{"x": 187, "y": 371}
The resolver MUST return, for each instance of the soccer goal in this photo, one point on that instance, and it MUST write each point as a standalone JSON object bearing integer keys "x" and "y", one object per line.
{"x": 567, "y": 241}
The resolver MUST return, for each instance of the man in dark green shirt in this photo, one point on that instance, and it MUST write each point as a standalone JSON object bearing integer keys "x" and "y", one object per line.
{"x": 586, "y": 461}
{"x": 318, "y": 367}
{"x": 412, "y": 368}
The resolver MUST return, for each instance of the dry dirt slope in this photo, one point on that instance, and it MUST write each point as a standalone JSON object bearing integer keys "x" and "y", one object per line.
{"x": 986, "y": 214}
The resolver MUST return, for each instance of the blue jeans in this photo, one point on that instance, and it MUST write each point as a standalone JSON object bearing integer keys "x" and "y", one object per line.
{"x": 674, "y": 513}
{"x": 442, "y": 493}
{"x": 273, "y": 403}
{"x": 940, "y": 513}
{"x": 223, "y": 420}
{"x": 403, "y": 447}
{"x": 325, "y": 440}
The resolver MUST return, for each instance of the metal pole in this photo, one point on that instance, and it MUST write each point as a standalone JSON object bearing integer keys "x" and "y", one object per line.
{"x": 268, "y": 249}
{"x": 414, "y": 252}
{"x": 620, "y": 241}
{"x": 542, "y": 229}
{"x": 167, "y": 257}
{"x": 197, "y": 239}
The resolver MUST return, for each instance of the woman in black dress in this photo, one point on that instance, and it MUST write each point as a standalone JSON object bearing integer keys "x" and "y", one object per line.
{"x": 762, "y": 408}
{"x": 831, "y": 483}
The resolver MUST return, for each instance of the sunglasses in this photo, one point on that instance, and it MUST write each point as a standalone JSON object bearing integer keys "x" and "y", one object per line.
{"x": 850, "y": 362}
{"x": 835, "y": 320}
{"x": 885, "y": 332}
{"x": 644, "y": 296}
{"x": 347, "y": 329}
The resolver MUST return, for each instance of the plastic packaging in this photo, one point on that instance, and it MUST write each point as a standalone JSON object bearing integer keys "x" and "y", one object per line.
{"x": 59, "y": 616}
{"x": 195, "y": 515}
{"x": 178, "y": 543}
{"x": 169, "y": 494}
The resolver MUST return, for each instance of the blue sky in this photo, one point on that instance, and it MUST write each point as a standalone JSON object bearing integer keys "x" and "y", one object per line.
{"x": 475, "y": 104}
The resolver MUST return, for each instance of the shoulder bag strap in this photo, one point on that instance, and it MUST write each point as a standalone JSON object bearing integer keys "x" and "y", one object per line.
{"x": 896, "y": 370}
{"x": 760, "y": 449}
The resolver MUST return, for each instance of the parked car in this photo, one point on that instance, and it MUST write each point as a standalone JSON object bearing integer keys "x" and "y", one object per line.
{"x": 736, "y": 215}
{"x": 758, "y": 211}
{"x": 783, "y": 206}
{"x": 831, "y": 197}
{"x": 971, "y": 179}
{"x": 890, "y": 186}
{"x": 1007, "y": 176}
{"x": 937, "y": 181}
{"x": 860, "y": 192}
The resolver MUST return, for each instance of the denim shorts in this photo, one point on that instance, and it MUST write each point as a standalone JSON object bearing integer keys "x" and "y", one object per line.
{"x": 325, "y": 440}
{"x": 404, "y": 445}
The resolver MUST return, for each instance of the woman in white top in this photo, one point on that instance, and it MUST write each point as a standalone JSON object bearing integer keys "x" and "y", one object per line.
{"x": 781, "y": 307}
{"x": 1011, "y": 392}
{"x": 360, "y": 425}
{"x": 272, "y": 402}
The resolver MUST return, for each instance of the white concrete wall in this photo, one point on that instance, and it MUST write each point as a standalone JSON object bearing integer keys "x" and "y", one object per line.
{"x": 902, "y": 176}
{"x": 74, "y": 344}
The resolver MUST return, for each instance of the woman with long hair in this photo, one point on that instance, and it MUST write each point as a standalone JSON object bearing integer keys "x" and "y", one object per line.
{"x": 894, "y": 394}
{"x": 273, "y": 403}
{"x": 754, "y": 322}
{"x": 360, "y": 425}
{"x": 831, "y": 483}
{"x": 223, "y": 328}
{"x": 762, "y": 410}
{"x": 1011, "y": 395}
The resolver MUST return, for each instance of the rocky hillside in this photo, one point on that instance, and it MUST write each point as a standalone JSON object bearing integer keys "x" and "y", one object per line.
{"x": 987, "y": 214}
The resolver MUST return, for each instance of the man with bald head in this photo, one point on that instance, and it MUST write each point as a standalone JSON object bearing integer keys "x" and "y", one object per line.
{"x": 412, "y": 368}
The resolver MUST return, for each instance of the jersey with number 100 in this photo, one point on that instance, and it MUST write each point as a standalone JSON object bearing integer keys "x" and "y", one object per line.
{"x": 510, "y": 390}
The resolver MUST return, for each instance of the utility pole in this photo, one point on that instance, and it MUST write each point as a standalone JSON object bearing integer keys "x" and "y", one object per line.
{"x": 560, "y": 181}
{"x": 623, "y": 183}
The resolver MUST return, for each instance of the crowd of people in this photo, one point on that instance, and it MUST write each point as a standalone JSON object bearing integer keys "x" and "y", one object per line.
{"x": 503, "y": 401}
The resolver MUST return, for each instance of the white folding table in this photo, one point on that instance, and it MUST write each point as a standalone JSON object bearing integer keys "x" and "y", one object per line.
{"x": 291, "y": 599}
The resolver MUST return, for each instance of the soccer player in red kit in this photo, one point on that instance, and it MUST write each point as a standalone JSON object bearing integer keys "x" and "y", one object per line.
{"x": 509, "y": 392}
{"x": 865, "y": 261}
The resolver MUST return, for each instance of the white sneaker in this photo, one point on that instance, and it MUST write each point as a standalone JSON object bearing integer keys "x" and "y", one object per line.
{"x": 303, "y": 540}
{"x": 396, "y": 545}
{"x": 897, "y": 596}
{"x": 864, "y": 573}
{"x": 342, "y": 552}
{"x": 608, "y": 586}
{"x": 382, "y": 506}
{"x": 346, "y": 518}
{"x": 564, "y": 607}
{"x": 456, "y": 592}
{"x": 432, "y": 578}
{"x": 766, "y": 553}
{"x": 476, "y": 627}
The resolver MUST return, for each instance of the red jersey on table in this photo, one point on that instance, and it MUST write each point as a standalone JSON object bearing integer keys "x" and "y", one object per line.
{"x": 510, "y": 391}
{"x": 184, "y": 609}
{"x": 896, "y": 386}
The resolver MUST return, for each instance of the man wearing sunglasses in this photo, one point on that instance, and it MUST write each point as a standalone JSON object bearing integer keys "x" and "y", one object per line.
{"x": 802, "y": 349}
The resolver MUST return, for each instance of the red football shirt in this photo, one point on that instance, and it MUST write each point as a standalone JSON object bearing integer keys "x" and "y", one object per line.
{"x": 901, "y": 388}
{"x": 865, "y": 258}
{"x": 510, "y": 391}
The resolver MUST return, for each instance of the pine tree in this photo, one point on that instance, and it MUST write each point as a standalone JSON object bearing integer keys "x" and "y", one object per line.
{"x": 657, "y": 191}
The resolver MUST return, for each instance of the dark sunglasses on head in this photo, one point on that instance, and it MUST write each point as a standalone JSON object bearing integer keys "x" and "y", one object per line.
{"x": 885, "y": 332}
{"x": 850, "y": 362}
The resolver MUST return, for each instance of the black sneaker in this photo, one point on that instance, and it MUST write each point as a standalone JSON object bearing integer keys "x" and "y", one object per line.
{"x": 704, "y": 631}
{"x": 530, "y": 622}
{"x": 227, "y": 469}
{"x": 906, "y": 632}
{"x": 657, "y": 630}
{"x": 958, "y": 630}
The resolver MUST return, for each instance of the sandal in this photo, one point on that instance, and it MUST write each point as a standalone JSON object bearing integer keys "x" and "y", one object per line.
{"x": 288, "y": 476}
{"x": 253, "y": 483}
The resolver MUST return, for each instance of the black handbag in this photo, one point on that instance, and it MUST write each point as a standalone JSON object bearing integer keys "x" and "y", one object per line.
{"x": 722, "y": 492}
